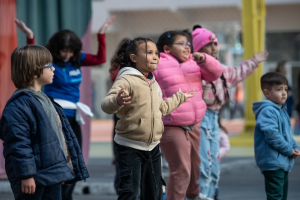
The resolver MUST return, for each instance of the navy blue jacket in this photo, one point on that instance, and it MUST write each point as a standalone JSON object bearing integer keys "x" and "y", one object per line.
{"x": 273, "y": 141}
{"x": 31, "y": 146}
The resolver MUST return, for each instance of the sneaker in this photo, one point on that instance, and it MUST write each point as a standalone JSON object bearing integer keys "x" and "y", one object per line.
{"x": 199, "y": 197}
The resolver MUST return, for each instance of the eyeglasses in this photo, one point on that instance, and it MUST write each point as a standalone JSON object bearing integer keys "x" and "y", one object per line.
{"x": 49, "y": 66}
{"x": 184, "y": 44}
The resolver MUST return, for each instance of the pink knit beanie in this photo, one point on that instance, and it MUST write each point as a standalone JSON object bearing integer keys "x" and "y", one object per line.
{"x": 202, "y": 37}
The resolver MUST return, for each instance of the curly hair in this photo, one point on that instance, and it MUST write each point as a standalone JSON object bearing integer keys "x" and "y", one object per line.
{"x": 128, "y": 47}
{"x": 62, "y": 40}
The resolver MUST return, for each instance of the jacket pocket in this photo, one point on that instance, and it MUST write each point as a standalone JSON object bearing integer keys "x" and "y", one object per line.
{"x": 144, "y": 129}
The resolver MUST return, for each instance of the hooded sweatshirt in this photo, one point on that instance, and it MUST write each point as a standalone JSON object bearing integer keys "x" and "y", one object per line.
{"x": 273, "y": 141}
{"x": 140, "y": 125}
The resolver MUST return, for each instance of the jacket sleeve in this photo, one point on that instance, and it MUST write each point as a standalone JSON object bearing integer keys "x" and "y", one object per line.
{"x": 295, "y": 145}
{"x": 91, "y": 60}
{"x": 224, "y": 144}
{"x": 109, "y": 104}
{"x": 29, "y": 40}
{"x": 17, "y": 142}
{"x": 234, "y": 75}
{"x": 268, "y": 123}
{"x": 170, "y": 104}
{"x": 211, "y": 69}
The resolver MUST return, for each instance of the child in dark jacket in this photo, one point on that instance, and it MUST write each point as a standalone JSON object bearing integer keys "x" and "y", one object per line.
{"x": 40, "y": 149}
{"x": 275, "y": 148}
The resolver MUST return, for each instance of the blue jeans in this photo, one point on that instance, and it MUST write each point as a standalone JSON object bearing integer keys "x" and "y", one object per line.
{"x": 209, "y": 152}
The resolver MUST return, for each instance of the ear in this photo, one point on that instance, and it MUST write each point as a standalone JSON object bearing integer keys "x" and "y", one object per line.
{"x": 35, "y": 77}
{"x": 133, "y": 58}
{"x": 266, "y": 93}
{"x": 166, "y": 48}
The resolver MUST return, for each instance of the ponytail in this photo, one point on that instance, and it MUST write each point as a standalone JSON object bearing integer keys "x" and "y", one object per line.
{"x": 226, "y": 93}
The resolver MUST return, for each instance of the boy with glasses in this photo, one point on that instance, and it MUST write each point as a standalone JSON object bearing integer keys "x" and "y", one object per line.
{"x": 40, "y": 149}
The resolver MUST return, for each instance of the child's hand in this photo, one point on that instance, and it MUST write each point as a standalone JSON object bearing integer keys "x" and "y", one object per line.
{"x": 198, "y": 57}
{"x": 123, "y": 98}
{"x": 262, "y": 56}
{"x": 22, "y": 26}
{"x": 28, "y": 186}
{"x": 189, "y": 94}
{"x": 106, "y": 24}
{"x": 296, "y": 153}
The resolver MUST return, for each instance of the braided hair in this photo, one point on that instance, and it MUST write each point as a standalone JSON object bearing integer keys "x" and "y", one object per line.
{"x": 128, "y": 47}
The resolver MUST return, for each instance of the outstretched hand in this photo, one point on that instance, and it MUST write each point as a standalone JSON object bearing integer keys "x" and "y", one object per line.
{"x": 198, "y": 57}
{"x": 106, "y": 24}
{"x": 263, "y": 56}
{"x": 22, "y": 26}
{"x": 123, "y": 98}
{"x": 189, "y": 93}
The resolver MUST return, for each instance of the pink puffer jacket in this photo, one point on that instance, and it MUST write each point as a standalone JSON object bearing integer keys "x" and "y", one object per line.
{"x": 172, "y": 75}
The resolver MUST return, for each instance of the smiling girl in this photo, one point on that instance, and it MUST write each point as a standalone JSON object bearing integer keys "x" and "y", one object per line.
{"x": 181, "y": 138}
{"x": 136, "y": 98}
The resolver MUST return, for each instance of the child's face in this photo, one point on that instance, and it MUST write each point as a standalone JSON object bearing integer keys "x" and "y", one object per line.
{"x": 180, "y": 49}
{"x": 210, "y": 49}
{"x": 47, "y": 76}
{"x": 277, "y": 94}
{"x": 65, "y": 54}
{"x": 146, "y": 59}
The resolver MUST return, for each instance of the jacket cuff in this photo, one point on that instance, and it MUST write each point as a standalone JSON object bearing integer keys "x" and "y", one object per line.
{"x": 183, "y": 98}
{"x": 27, "y": 177}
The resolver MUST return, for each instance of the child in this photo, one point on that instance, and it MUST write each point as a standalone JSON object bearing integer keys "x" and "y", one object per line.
{"x": 275, "y": 148}
{"x": 136, "y": 98}
{"x": 65, "y": 47}
{"x": 181, "y": 138}
{"x": 40, "y": 149}
{"x": 215, "y": 94}
{"x": 224, "y": 147}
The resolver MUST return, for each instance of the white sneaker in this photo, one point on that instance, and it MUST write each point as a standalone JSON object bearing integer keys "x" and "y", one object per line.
{"x": 200, "y": 197}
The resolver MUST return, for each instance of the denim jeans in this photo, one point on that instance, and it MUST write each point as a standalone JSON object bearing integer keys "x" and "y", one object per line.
{"x": 209, "y": 152}
{"x": 139, "y": 170}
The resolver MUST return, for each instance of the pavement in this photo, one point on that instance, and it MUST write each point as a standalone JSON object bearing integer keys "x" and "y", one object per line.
{"x": 240, "y": 177}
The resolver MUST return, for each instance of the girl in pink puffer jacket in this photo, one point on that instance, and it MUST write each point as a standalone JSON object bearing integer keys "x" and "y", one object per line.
{"x": 181, "y": 138}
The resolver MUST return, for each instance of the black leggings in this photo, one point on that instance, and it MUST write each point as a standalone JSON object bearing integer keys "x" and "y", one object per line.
{"x": 67, "y": 190}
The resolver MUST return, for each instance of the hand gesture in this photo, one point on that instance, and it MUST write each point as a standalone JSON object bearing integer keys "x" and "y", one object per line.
{"x": 198, "y": 57}
{"x": 22, "y": 26}
{"x": 296, "y": 153}
{"x": 28, "y": 186}
{"x": 263, "y": 56}
{"x": 189, "y": 93}
{"x": 123, "y": 98}
{"x": 106, "y": 24}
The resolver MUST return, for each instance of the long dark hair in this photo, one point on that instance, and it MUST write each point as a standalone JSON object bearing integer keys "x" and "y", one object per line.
{"x": 129, "y": 47}
{"x": 114, "y": 66}
{"x": 220, "y": 124}
{"x": 61, "y": 40}
{"x": 168, "y": 38}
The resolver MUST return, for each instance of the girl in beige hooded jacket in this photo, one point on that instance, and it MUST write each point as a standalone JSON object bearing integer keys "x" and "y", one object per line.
{"x": 136, "y": 98}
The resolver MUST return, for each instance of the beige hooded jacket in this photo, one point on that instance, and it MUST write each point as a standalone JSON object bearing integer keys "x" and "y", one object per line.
{"x": 140, "y": 125}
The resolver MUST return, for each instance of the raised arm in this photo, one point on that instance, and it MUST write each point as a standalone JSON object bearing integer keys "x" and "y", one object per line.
{"x": 117, "y": 97}
{"x": 234, "y": 75}
{"x": 28, "y": 32}
{"x": 90, "y": 59}
{"x": 211, "y": 69}
{"x": 170, "y": 104}
{"x": 267, "y": 120}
